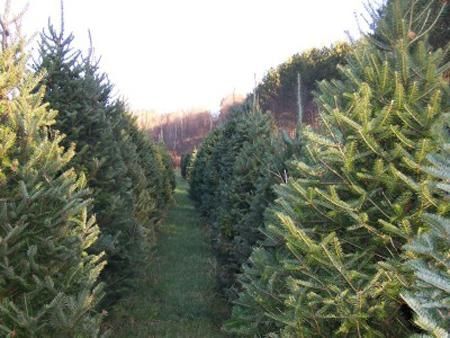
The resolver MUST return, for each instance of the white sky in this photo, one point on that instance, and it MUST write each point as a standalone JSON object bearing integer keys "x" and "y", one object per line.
{"x": 178, "y": 54}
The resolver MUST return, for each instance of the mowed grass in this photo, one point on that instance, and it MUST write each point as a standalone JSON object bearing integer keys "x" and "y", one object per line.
{"x": 176, "y": 296}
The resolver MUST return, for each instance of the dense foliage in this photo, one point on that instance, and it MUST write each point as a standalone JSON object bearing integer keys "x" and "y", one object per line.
{"x": 439, "y": 34}
{"x": 48, "y": 277}
{"x": 342, "y": 230}
{"x": 131, "y": 177}
{"x": 429, "y": 255}
{"x": 336, "y": 238}
{"x": 185, "y": 162}
{"x": 277, "y": 91}
{"x": 231, "y": 182}
{"x": 355, "y": 196}
{"x": 81, "y": 188}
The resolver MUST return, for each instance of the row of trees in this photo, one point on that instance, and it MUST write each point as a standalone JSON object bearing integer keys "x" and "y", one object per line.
{"x": 235, "y": 161}
{"x": 343, "y": 230}
{"x": 81, "y": 191}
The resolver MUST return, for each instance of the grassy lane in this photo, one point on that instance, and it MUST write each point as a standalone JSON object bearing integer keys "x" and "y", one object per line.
{"x": 176, "y": 297}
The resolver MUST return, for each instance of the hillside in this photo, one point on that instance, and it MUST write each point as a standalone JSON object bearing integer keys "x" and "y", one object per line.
{"x": 183, "y": 131}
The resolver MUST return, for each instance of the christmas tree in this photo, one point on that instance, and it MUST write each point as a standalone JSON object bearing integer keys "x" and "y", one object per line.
{"x": 203, "y": 181}
{"x": 48, "y": 277}
{"x": 255, "y": 159}
{"x": 184, "y": 163}
{"x": 429, "y": 254}
{"x": 354, "y": 194}
{"x": 127, "y": 173}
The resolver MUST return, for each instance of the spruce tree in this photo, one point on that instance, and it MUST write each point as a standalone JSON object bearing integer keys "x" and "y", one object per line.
{"x": 93, "y": 121}
{"x": 48, "y": 277}
{"x": 355, "y": 194}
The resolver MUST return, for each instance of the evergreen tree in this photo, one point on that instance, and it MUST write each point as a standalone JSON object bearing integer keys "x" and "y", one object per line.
{"x": 277, "y": 91}
{"x": 354, "y": 196}
{"x": 429, "y": 255}
{"x": 167, "y": 171}
{"x": 215, "y": 190}
{"x": 48, "y": 278}
{"x": 190, "y": 165}
{"x": 231, "y": 181}
{"x": 439, "y": 34}
{"x": 151, "y": 161}
{"x": 254, "y": 160}
{"x": 127, "y": 173}
{"x": 187, "y": 164}
{"x": 203, "y": 181}
{"x": 184, "y": 163}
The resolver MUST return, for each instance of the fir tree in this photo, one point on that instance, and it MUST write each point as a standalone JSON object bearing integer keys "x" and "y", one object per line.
{"x": 167, "y": 171}
{"x": 184, "y": 163}
{"x": 355, "y": 194}
{"x": 215, "y": 190}
{"x": 429, "y": 256}
{"x": 48, "y": 279}
{"x": 255, "y": 159}
{"x": 151, "y": 161}
{"x": 190, "y": 165}
{"x": 126, "y": 172}
{"x": 203, "y": 182}
{"x": 231, "y": 181}
{"x": 187, "y": 164}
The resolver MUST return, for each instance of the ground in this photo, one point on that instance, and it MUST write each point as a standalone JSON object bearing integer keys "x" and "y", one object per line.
{"x": 176, "y": 295}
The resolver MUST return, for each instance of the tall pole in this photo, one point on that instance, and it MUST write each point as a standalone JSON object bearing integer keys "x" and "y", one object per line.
{"x": 299, "y": 105}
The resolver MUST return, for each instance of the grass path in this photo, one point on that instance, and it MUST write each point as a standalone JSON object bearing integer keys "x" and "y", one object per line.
{"x": 176, "y": 297}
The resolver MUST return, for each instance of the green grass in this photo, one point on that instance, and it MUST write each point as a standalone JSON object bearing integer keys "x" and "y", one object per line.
{"x": 176, "y": 295}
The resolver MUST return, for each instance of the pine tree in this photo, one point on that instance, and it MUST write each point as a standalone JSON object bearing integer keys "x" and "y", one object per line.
{"x": 354, "y": 196}
{"x": 48, "y": 277}
{"x": 429, "y": 255}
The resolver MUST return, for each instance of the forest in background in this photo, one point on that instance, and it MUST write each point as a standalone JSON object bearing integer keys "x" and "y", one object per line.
{"x": 182, "y": 132}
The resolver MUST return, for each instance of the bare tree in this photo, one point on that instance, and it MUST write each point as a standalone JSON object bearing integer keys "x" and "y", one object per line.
{"x": 10, "y": 25}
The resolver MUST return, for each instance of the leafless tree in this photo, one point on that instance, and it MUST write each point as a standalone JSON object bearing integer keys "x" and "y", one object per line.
{"x": 10, "y": 25}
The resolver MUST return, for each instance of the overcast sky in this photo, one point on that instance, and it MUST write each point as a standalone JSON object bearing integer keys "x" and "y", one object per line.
{"x": 177, "y": 54}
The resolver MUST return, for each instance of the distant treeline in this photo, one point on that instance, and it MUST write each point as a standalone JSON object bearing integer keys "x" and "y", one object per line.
{"x": 180, "y": 132}
{"x": 277, "y": 93}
